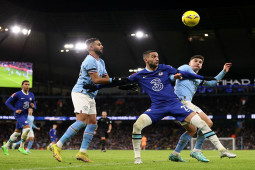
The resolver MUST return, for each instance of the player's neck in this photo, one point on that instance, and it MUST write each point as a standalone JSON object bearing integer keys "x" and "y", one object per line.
{"x": 25, "y": 92}
{"x": 148, "y": 68}
{"x": 93, "y": 54}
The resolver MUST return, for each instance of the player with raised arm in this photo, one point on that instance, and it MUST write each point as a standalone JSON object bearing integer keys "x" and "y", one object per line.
{"x": 154, "y": 80}
{"x": 31, "y": 135}
{"x": 92, "y": 71}
{"x": 185, "y": 90}
{"x": 19, "y": 103}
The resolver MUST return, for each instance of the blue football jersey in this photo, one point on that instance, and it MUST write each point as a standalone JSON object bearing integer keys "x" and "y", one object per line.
{"x": 89, "y": 65}
{"x": 53, "y": 133}
{"x": 20, "y": 101}
{"x": 156, "y": 83}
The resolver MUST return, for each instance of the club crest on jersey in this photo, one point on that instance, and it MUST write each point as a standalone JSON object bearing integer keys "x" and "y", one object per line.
{"x": 30, "y": 98}
{"x": 160, "y": 73}
{"x": 157, "y": 85}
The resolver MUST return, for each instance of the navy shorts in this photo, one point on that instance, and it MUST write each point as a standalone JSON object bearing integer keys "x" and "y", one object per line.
{"x": 174, "y": 108}
{"x": 53, "y": 140}
{"x": 21, "y": 121}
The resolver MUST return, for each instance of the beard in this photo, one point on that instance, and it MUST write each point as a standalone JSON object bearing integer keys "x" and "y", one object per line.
{"x": 98, "y": 52}
{"x": 153, "y": 66}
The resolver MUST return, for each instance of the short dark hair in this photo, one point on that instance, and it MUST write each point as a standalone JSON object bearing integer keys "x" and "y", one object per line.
{"x": 24, "y": 81}
{"x": 91, "y": 40}
{"x": 145, "y": 53}
{"x": 197, "y": 56}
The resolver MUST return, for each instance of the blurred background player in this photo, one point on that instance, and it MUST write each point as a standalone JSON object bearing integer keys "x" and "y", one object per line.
{"x": 53, "y": 135}
{"x": 144, "y": 142}
{"x": 185, "y": 90}
{"x": 30, "y": 136}
{"x": 21, "y": 100}
{"x": 104, "y": 127}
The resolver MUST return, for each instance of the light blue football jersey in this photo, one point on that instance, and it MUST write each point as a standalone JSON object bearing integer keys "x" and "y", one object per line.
{"x": 185, "y": 89}
{"x": 30, "y": 120}
{"x": 89, "y": 65}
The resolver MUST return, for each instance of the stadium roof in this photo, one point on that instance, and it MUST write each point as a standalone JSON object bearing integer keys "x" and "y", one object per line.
{"x": 230, "y": 29}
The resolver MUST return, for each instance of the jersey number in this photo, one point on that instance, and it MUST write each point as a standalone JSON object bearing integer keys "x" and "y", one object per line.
{"x": 157, "y": 85}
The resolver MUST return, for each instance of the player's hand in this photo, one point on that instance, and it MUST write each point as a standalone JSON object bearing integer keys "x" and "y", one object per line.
{"x": 120, "y": 80}
{"x": 207, "y": 78}
{"x": 90, "y": 87}
{"x": 95, "y": 132}
{"x": 32, "y": 105}
{"x": 18, "y": 111}
{"x": 38, "y": 128}
{"x": 178, "y": 76}
{"x": 108, "y": 131}
{"x": 132, "y": 86}
{"x": 227, "y": 67}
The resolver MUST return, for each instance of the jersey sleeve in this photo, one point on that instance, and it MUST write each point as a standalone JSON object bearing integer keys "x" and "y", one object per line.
{"x": 109, "y": 120}
{"x": 10, "y": 100}
{"x": 90, "y": 65}
{"x": 104, "y": 69}
{"x": 133, "y": 77}
{"x": 33, "y": 101}
{"x": 186, "y": 68}
{"x": 33, "y": 126}
{"x": 170, "y": 70}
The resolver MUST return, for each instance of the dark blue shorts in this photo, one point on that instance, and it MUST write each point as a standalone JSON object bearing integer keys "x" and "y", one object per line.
{"x": 174, "y": 108}
{"x": 53, "y": 140}
{"x": 21, "y": 121}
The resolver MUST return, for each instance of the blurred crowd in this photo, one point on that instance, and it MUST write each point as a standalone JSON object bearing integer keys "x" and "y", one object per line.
{"x": 135, "y": 105}
{"x": 163, "y": 135}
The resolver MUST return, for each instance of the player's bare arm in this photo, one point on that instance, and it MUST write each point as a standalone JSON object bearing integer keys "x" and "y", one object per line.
{"x": 99, "y": 80}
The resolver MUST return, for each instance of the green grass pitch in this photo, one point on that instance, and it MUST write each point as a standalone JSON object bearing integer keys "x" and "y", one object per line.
{"x": 12, "y": 80}
{"x": 123, "y": 159}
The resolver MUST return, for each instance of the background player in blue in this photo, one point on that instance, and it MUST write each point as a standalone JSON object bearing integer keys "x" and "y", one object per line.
{"x": 185, "y": 90}
{"x": 30, "y": 137}
{"x": 154, "y": 80}
{"x": 19, "y": 103}
{"x": 92, "y": 72}
{"x": 53, "y": 134}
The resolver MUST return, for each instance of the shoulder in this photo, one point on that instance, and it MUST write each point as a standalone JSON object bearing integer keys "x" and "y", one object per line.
{"x": 184, "y": 67}
{"x": 89, "y": 58}
{"x": 101, "y": 61}
{"x": 164, "y": 66}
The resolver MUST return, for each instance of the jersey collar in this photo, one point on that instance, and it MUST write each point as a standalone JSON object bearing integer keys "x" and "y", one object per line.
{"x": 94, "y": 57}
{"x": 149, "y": 69}
{"x": 24, "y": 92}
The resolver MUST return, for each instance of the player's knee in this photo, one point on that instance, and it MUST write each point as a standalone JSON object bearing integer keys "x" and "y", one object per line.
{"x": 192, "y": 131}
{"x": 137, "y": 128}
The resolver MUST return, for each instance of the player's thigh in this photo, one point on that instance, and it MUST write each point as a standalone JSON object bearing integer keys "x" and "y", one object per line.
{"x": 21, "y": 122}
{"x": 204, "y": 117}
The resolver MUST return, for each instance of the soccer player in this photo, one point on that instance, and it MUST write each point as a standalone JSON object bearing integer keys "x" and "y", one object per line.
{"x": 53, "y": 135}
{"x": 30, "y": 136}
{"x": 154, "y": 80}
{"x": 104, "y": 127}
{"x": 92, "y": 72}
{"x": 19, "y": 103}
{"x": 185, "y": 90}
{"x": 144, "y": 142}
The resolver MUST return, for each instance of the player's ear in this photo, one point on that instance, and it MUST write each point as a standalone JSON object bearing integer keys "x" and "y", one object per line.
{"x": 145, "y": 59}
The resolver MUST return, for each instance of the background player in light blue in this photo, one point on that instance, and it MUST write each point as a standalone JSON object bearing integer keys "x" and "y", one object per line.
{"x": 30, "y": 137}
{"x": 185, "y": 90}
{"x": 154, "y": 80}
{"x": 21, "y": 100}
{"x": 92, "y": 71}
